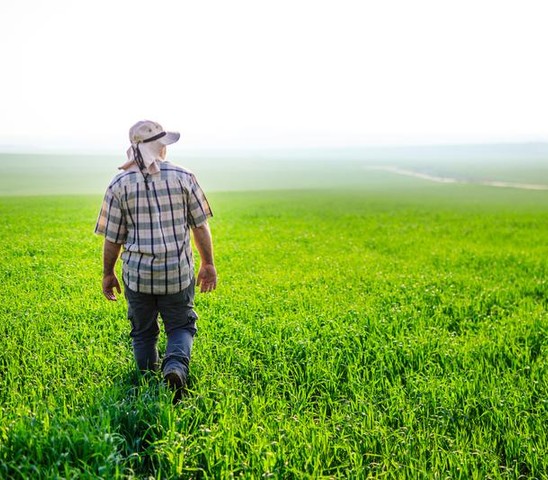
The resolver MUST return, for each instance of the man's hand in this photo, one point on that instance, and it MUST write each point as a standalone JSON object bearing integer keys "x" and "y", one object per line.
{"x": 207, "y": 278}
{"x": 110, "y": 282}
{"x": 207, "y": 275}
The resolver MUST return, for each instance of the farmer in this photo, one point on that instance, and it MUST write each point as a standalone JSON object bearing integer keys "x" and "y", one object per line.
{"x": 150, "y": 208}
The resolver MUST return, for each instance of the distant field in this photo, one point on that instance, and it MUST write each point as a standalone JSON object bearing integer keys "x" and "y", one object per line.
{"x": 393, "y": 328}
{"x": 35, "y": 174}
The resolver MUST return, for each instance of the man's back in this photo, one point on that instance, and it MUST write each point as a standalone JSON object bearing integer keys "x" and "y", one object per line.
{"x": 151, "y": 216}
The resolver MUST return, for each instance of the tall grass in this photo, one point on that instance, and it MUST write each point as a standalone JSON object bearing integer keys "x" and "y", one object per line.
{"x": 353, "y": 335}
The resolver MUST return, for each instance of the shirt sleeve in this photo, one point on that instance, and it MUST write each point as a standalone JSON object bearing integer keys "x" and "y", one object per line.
{"x": 111, "y": 222}
{"x": 198, "y": 206}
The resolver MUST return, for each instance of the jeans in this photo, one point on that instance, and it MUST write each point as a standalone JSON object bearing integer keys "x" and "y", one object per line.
{"x": 179, "y": 320}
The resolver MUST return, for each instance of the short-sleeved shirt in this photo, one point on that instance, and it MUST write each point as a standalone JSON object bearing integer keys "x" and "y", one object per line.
{"x": 154, "y": 226}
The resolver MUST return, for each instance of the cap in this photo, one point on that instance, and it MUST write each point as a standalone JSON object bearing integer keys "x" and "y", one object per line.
{"x": 147, "y": 131}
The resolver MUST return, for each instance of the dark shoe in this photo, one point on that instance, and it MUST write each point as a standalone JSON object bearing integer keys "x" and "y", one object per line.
{"x": 176, "y": 383}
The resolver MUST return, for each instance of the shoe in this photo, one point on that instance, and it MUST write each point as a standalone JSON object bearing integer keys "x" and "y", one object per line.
{"x": 176, "y": 383}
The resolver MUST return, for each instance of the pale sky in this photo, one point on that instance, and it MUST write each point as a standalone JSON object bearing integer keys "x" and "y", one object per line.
{"x": 283, "y": 73}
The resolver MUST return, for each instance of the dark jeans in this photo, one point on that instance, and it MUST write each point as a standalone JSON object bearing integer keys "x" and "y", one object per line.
{"x": 179, "y": 320}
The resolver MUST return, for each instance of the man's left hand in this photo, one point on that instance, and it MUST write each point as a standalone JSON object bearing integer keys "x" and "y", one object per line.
{"x": 207, "y": 278}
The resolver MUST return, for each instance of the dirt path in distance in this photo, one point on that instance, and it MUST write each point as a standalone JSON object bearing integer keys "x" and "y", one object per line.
{"x": 439, "y": 179}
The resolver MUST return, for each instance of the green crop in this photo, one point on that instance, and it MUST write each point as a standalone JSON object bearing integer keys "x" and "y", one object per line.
{"x": 364, "y": 333}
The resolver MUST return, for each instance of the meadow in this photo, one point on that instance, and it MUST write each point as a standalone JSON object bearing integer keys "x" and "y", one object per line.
{"x": 364, "y": 326}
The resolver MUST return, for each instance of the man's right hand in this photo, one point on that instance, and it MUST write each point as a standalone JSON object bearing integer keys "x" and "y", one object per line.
{"x": 110, "y": 282}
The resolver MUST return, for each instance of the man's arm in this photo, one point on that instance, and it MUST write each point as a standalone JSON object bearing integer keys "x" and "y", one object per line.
{"x": 111, "y": 251}
{"x": 207, "y": 275}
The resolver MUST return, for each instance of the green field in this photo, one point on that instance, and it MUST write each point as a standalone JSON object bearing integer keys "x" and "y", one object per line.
{"x": 64, "y": 174}
{"x": 393, "y": 328}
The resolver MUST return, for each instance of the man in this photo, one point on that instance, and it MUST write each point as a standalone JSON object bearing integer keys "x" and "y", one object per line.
{"x": 150, "y": 209}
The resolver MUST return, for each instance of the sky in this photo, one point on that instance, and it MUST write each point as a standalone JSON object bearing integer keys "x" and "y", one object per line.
{"x": 283, "y": 73}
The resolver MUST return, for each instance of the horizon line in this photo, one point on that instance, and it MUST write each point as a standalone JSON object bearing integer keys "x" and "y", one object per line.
{"x": 109, "y": 150}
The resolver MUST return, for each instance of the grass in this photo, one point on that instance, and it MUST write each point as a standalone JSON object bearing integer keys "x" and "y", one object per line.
{"x": 372, "y": 333}
{"x": 69, "y": 174}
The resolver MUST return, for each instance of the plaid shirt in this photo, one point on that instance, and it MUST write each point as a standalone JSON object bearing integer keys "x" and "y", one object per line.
{"x": 154, "y": 226}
